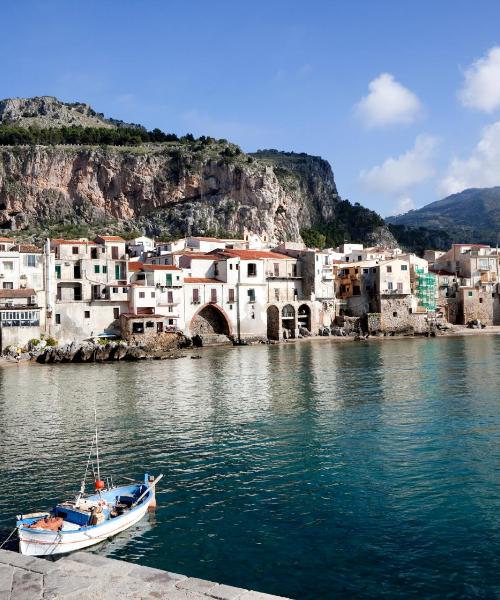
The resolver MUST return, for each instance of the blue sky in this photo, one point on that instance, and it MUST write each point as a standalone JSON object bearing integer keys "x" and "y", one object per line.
{"x": 287, "y": 75}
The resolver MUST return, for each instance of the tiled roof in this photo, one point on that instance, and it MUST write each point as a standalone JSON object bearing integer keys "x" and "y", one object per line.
{"x": 440, "y": 272}
{"x": 201, "y": 280}
{"x": 110, "y": 238}
{"x": 135, "y": 265}
{"x": 21, "y": 293}
{"x": 6, "y": 239}
{"x": 250, "y": 254}
{"x": 60, "y": 242}
{"x": 151, "y": 267}
{"x": 29, "y": 248}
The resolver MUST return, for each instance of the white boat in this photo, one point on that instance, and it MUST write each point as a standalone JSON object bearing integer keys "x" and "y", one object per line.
{"x": 89, "y": 518}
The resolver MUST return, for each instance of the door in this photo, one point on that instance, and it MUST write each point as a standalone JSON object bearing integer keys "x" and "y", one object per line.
{"x": 159, "y": 327}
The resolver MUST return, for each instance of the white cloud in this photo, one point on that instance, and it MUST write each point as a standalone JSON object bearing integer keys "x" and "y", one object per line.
{"x": 481, "y": 169}
{"x": 395, "y": 176}
{"x": 388, "y": 103}
{"x": 481, "y": 89}
{"x": 403, "y": 205}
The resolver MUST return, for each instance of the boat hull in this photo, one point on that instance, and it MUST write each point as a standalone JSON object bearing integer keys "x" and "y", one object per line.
{"x": 37, "y": 542}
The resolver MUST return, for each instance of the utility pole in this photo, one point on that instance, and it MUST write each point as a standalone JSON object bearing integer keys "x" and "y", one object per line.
{"x": 238, "y": 319}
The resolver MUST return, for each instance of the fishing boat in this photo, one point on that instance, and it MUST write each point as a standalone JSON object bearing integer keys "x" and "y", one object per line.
{"x": 89, "y": 518}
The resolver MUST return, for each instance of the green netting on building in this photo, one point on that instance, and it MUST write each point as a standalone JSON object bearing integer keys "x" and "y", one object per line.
{"x": 426, "y": 289}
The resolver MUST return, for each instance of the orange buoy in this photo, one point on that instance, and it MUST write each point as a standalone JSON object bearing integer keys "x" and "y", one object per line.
{"x": 99, "y": 484}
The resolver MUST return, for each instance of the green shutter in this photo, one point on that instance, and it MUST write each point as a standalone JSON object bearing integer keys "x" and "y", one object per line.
{"x": 117, "y": 271}
{"x": 169, "y": 279}
{"x": 97, "y": 269}
{"x": 58, "y": 271}
{"x": 105, "y": 269}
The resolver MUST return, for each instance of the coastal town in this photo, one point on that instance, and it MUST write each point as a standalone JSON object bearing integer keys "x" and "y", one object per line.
{"x": 236, "y": 290}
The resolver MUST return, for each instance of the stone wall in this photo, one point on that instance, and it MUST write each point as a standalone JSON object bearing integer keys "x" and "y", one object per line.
{"x": 479, "y": 305}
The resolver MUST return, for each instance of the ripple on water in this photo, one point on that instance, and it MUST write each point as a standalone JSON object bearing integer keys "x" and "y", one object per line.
{"x": 313, "y": 471}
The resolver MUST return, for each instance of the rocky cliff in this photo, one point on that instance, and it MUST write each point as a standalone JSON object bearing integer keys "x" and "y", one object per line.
{"x": 179, "y": 187}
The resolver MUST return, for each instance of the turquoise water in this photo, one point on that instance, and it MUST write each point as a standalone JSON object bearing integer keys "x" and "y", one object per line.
{"x": 315, "y": 470}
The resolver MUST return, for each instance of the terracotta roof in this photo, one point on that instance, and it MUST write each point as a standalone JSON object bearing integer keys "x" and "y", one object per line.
{"x": 6, "y": 239}
{"x": 110, "y": 238}
{"x": 207, "y": 239}
{"x": 201, "y": 280}
{"x": 250, "y": 254}
{"x": 135, "y": 265}
{"x": 21, "y": 293}
{"x": 29, "y": 248}
{"x": 151, "y": 267}
{"x": 60, "y": 242}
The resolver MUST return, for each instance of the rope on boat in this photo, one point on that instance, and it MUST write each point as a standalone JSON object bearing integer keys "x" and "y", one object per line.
{"x": 8, "y": 537}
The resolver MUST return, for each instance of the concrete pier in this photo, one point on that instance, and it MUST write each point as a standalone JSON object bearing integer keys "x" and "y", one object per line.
{"x": 87, "y": 576}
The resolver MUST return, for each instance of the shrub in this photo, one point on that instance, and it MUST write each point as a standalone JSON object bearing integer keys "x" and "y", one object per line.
{"x": 34, "y": 342}
{"x": 51, "y": 341}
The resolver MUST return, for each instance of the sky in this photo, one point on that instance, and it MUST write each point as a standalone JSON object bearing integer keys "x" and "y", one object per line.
{"x": 402, "y": 98}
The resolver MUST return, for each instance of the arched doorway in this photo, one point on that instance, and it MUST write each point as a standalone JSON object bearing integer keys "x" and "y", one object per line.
{"x": 304, "y": 317}
{"x": 288, "y": 320}
{"x": 209, "y": 321}
{"x": 273, "y": 323}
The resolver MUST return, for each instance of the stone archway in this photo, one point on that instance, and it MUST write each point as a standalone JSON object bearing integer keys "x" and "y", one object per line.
{"x": 273, "y": 323}
{"x": 304, "y": 317}
{"x": 209, "y": 320}
{"x": 288, "y": 320}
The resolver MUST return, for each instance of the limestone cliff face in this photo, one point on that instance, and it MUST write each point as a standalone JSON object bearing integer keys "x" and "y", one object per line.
{"x": 163, "y": 188}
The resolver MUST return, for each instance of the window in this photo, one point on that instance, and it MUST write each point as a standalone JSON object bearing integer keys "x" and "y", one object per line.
{"x": 469, "y": 293}
{"x": 153, "y": 294}
{"x": 115, "y": 290}
{"x": 170, "y": 321}
{"x": 168, "y": 279}
{"x": 251, "y": 269}
{"x": 125, "y": 290}
{"x": 170, "y": 309}
{"x": 356, "y": 291}
{"x": 77, "y": 273}
{"x": 58, "y": 319}
{"x": 150, "y": 324}
{"x": 170, "y": 297}
{"x": 86, "y": 314}
{"x": 97, "y": 269}
{"x": 8, "y": 266}
{"x": 137, "y": 327}
{"x": 404, "y": 267}
{"x": 390, "y": 285}
{"x": 159, "y": 327}
{"x": 117, "y": 272}
{"x": 213, "y": 295}
{"x": 104, "y": 269}
{"x": 230, "y": 266}
{"x": 231, "y": 295}
{"x": 77, "y": 293}
{"x": 251, "y": 295}
{"x": 8, "y": 285}
{"x": 295, "y": 272}
{"x": 93, "y": 253}
{"x": 142, "y": 294}
{"x": 116, "y": 313}
{"x": 276, "y": 269}
{"x": 74, "y": 249}
{"x": 480, "y": 300}
{"x": 389, "y": 269}
{"x": 30, "y": 260}
{"x": 277, "y": 294}
{"x": 114, "y": 252}
{"x": 394, "y": 314}
{"x": 365, "y": 271}
{"x": 216, "y": 269}
{"x": 360, "y": 257}
{"x": 400, "y": 287}
{"x": 196, "y": 296}
{"x": 58, "y": 271}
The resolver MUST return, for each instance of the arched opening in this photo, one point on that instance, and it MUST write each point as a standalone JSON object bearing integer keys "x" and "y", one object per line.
{"x": 304, "y": 317}
{"x": 288, "y": 320}
{"x": 273, "y": 323}
{"x": 209, "y": 321}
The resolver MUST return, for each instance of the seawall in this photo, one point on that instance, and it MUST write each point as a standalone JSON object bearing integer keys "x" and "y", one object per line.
{"x": 87, "y": 576}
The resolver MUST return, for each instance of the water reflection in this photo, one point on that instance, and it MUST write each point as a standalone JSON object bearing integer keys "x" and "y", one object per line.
{"x": 309, "y": 470}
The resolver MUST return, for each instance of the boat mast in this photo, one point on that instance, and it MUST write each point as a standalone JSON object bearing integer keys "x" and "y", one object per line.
{"x": 96, "y": 443}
